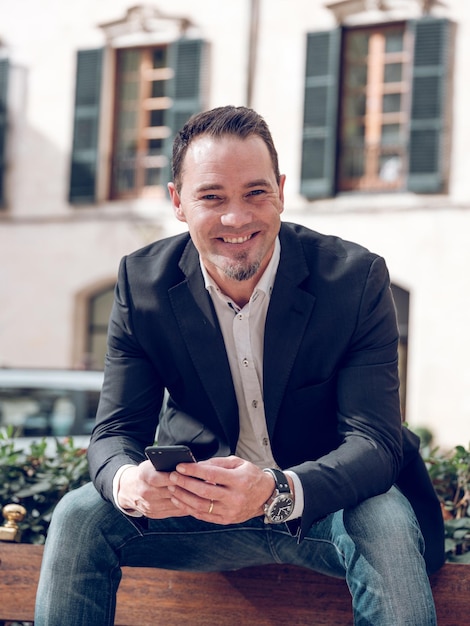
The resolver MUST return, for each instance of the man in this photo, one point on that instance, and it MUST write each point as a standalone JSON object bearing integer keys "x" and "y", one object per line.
{"x": 278, "y": 349}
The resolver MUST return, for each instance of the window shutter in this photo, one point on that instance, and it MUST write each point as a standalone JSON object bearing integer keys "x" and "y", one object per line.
{"x": 4, "y": 72}
{"x": 320, "y": 114}
{"x": 426, "y": 167}
{"x": 186, "y": 60}
{"x": 84, "y": 166}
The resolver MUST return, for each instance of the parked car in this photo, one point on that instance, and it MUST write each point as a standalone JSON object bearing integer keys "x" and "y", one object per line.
{"x": 46, "y": 402}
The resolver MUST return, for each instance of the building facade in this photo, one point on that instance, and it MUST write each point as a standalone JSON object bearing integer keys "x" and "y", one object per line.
{"x": 367, "y": 103}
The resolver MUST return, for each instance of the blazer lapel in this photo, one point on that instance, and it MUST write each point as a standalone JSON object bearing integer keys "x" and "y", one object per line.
{"x": 289, "y": 312}
{"x": 204, "y": 341}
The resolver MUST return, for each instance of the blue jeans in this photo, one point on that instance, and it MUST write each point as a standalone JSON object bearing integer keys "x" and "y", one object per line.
{"x": 376, "y": 546}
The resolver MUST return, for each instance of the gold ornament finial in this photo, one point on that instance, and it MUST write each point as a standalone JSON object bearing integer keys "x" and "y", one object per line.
{"x": 13, "y": 514}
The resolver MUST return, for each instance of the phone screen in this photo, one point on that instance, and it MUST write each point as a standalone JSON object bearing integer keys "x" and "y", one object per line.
{"x": 166, "y": 458}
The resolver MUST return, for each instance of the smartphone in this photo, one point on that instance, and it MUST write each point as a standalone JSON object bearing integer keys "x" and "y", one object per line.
{"x": 166, "y": 458}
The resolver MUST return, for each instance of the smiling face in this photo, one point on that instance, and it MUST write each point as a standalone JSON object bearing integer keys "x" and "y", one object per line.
{"x": 232, "y": 202}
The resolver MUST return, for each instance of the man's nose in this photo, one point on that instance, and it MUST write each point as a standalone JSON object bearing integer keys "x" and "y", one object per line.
{"x": 236, "y": 215}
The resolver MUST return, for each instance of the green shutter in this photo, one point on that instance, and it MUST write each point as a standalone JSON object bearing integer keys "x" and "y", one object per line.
{"x": 320, "y": 114}
{"x": 4, "y": 72}
{"x": 84, "y": 166}
{"x": 185, "y": 90}
{"x": 426, "y": 167}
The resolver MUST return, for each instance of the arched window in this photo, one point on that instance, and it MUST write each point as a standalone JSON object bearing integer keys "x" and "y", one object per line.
{"x": 99, "y": 310}
{"x": 402, "y": 303}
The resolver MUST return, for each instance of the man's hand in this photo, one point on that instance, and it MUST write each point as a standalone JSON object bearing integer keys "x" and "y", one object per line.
{"x": 223, "y": 490}
{"x": 143, "y": 489}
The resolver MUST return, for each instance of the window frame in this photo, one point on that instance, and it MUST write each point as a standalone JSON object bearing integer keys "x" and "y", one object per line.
{"x": 97, "y": 329}
{"x": 427, "y": 141}
{"x": 91, "y": 158}
{"x": 144, "y": 130}
{"x": 374, "y": 118}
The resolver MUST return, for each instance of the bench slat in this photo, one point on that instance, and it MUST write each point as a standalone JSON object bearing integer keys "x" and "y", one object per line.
{"x": 267, "y": 596}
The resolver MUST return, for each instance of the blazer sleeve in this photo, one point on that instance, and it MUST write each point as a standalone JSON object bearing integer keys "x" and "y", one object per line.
{"x": 131, "y": 396}
{"x": 368, "y": 458}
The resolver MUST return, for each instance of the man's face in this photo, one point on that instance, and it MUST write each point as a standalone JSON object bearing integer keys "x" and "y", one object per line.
{"x": 231, "y": 202}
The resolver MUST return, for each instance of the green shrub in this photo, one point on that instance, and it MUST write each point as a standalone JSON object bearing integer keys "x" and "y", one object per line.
{"x": 37, "y": 479}
{"x": 450, "y": 474}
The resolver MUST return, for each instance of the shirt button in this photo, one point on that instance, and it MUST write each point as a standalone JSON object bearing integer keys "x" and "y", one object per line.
{"x": 265, "y": 441}
{"x": 254, "y": 404}
{"x": 240, "y": 316}
{"x": 245, "y": 362}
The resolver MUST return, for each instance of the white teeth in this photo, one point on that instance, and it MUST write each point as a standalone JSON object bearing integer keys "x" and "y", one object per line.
{"x": 236, "y": 239}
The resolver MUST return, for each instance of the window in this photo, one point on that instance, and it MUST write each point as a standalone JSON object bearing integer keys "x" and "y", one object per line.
{"x": 157, "y": 88}
{"x": 99, "y": 310}
{"x": 402, "y": 303}
{"x": 374, "y": 109}
{"x": 140, "y": 133}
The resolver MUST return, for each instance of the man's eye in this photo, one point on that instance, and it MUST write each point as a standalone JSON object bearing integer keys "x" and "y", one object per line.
{"x": 256, "y": 192}
{"x": 210, "y": 196}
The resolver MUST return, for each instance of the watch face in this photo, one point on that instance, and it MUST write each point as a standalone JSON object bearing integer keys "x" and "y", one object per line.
{"x": 280, "y": 509}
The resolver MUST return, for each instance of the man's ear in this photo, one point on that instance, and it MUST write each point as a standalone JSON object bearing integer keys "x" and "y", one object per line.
{"x": 176, "y": 203}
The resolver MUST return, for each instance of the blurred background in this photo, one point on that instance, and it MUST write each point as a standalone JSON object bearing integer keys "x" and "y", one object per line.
{"x": 367, "y": 101}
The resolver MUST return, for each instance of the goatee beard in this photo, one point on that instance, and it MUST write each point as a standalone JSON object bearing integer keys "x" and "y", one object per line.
{"x": 240, "y": 271}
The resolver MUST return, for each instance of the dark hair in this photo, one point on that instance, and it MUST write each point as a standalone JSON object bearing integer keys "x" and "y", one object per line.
{"x": 229, "y": 120}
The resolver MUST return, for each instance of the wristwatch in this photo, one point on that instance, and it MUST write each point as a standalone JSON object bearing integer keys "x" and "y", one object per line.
{"x": 281, "y": 504}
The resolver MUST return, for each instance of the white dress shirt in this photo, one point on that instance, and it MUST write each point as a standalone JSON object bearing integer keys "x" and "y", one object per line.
{"x": 243, "y": 333}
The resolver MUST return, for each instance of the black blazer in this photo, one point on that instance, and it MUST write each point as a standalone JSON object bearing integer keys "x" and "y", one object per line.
{"x": 330, "y": 375}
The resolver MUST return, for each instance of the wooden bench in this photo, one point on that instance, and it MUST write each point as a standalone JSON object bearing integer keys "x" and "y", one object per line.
{"x": 265, "y": 596}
